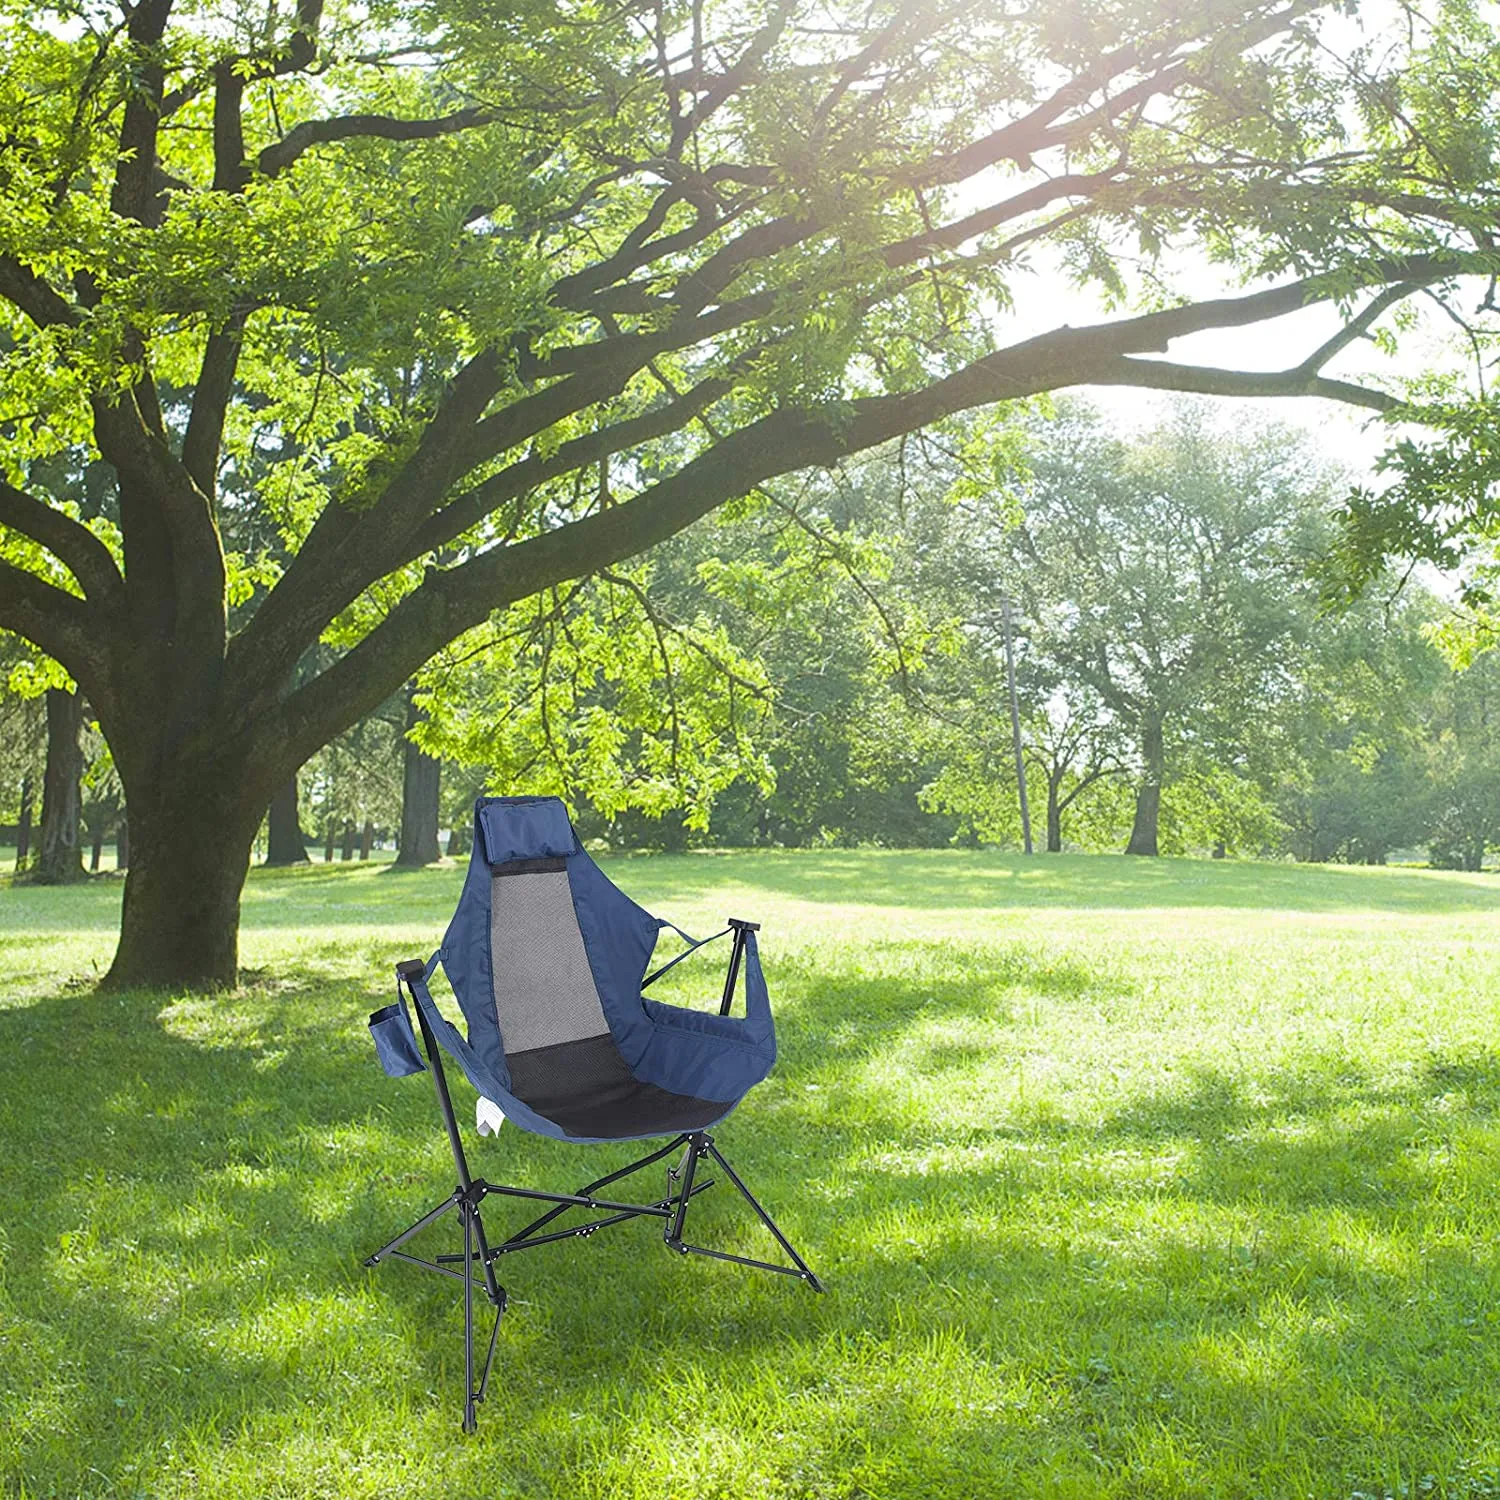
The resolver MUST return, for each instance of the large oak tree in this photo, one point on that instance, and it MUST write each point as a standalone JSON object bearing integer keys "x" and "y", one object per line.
{"x": 459, "y": 300}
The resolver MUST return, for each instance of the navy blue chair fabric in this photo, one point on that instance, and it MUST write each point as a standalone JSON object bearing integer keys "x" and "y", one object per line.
{"x": 546, "y": 957}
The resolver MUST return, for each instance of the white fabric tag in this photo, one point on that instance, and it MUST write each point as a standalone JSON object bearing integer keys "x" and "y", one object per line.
{"x": 488, "y": 1117}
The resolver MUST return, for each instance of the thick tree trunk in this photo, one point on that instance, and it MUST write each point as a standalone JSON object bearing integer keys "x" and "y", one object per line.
{"x": 1143, "y": 833}
{"x": 60, "y": 855}
{"x": 1054, "y": 815}
{"x": 286, "y": 844}
{"x": 190, "y": 852}
{"x": 421, "y": 784}
{"x": 23, "y": 829}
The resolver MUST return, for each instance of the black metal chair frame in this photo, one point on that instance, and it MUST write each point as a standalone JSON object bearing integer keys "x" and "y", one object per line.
{"x": 479, "y": 1255}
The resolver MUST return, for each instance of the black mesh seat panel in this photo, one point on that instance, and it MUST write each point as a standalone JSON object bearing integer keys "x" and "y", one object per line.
{"x": 585, "y": 1087}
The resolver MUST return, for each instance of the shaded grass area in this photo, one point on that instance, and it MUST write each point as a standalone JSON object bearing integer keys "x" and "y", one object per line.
{"x": 1127, "y": 1179}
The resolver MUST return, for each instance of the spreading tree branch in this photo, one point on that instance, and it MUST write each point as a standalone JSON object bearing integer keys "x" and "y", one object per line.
{"x": 24, "y": 289}
{"x": 1164, "y": 375}
{"x": 299, "y": 53}
{"x": 300, "y": 139}
{"x": 136, "y": 194}
{"x": 1357, "y": 327}
{"x": 59, "y": 623}
{"x": 74, "y": 545}
{"x": 202, "y": 441}
{"x": 456, "y": 599}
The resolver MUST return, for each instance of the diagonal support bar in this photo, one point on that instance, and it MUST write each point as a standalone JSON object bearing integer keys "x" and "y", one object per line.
{"x": 702, "y": 1144}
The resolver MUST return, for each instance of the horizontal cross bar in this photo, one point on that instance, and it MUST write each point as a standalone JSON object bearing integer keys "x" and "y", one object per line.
{"x": 573, "y": 1200}
{"x": 582, "y": 1231}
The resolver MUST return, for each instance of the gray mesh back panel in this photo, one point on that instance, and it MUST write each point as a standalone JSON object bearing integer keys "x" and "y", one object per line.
{"x": 544, "y": 988}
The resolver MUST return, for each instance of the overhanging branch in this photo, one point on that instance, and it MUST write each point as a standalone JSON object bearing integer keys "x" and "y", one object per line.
{"x": 23, "y": 288}
{"x": 58, "y": 623}
{"x": 300, "y": 51}
{"x": 302, "y": 138}
{"x": 73, "y": 544}
{"x": 451, "y": 601}
{"x": 1164, "y": 375}
{"x": 474, "y": 505}
{"x": 1357, "y": 327}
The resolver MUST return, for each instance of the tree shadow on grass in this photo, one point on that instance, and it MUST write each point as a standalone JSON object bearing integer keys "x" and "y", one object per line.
{"x": 1305, "y": 1263}
{"x": 195, "y": 1185}
{"x": 191, "y": 1191}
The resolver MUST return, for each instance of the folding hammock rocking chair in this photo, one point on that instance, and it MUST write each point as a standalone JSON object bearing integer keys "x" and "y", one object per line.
{"x": 547, "y": 959}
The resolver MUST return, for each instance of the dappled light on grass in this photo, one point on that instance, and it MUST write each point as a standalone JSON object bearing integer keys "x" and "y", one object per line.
{"x": 1115, "y": 1195}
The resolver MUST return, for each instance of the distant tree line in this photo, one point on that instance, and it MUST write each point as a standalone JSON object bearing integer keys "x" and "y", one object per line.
{"x": 1189, "y": 681}
{"x": 824, "y": 665}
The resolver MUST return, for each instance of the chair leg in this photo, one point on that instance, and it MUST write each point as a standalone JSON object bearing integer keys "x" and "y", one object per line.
{"x": 672, "y": 1209}
{"x": 476, "y": 1251}
{"x": 470, "y": 1421}
{"x": 682, "y": 1175}
{"x": 474, "y": 1241}
{"x": 702, "y": 1144}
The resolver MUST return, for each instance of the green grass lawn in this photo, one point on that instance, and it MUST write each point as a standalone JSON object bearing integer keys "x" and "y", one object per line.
{"x": 1127, "y": 1179}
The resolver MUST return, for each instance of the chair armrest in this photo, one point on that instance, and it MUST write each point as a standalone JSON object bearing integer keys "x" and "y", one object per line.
{"x": 740, "y": 928}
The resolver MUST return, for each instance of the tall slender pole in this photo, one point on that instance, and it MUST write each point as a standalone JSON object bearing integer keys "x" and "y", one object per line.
{"x": 1015, "y": 723}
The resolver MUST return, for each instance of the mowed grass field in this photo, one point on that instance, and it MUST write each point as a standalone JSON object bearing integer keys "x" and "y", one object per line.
{"x": 1126, "y": 1179}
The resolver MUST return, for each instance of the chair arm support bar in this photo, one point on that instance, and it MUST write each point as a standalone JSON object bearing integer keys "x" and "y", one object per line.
{"x": 741, "y": 931}
{"x": 687, "y": 953}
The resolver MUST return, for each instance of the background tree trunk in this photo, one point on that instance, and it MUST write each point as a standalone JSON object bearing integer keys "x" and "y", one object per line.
{"x": 1054, "y": 816}
{"x": 23, "y": 830}
{"x": 96, "y": 852}
{"x": 456, "y": 841}
{"x": 1143, "y": 833}
{"x": 346, "y": 850}
{"x": 366, "y": 839}
{"x": 60, "y": 856}
{"x": 122, "y": 845}
{"x": 286, "y": 844}
{"x": 421, "y": 783}
{"x": 329, "y": 833}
